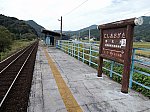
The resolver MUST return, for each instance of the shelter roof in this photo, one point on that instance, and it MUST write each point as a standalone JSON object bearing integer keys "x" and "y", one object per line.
{"x": 52, "y": 33}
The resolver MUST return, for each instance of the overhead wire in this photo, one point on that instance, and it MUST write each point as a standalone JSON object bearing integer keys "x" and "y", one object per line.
{"x": 76, "y": 8}
{"x": 81, "y": 5}
{"x": 147, "y": 13}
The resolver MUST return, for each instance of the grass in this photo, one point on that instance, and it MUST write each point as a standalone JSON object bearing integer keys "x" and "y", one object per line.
{"x": 16, "y": 46}
{"x": 143, "y": 53}
{"x": 141, "y": 44}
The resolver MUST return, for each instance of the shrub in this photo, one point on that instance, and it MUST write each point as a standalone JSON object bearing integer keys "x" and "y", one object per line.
{"x": 5, "y": 39}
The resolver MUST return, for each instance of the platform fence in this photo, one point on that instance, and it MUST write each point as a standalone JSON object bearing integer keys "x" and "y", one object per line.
{"x": 88, "y": 53}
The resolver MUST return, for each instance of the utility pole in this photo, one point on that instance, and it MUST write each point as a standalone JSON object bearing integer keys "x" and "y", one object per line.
{"x": 79, "y": 36}
{"x": 89, "y": 35}
{"x": 61, "y": 28}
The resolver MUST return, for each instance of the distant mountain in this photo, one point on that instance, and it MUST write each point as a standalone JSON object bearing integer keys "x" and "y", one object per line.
{"x": 36, "y": 26}
{"x": 16, "y": 26}
{"x": 20, "y": 27}
{"x": 87, "y": 28}
{"x": 84, "y": 32}
{"x": 140, "y": 32}
{"x": 143, "y": 32}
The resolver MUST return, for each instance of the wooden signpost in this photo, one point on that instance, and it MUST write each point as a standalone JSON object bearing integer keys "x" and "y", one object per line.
{"x": 116, "y": 44}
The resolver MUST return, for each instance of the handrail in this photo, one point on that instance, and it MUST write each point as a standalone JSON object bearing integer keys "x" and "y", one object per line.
{"x": 87, "y": 53}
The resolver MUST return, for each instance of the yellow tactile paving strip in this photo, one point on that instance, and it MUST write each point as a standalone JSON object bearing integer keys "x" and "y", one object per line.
{"x": 68, "y": 99}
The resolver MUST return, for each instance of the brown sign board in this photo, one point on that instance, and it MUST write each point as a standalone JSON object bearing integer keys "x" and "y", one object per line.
{"x": 116, "y": 44}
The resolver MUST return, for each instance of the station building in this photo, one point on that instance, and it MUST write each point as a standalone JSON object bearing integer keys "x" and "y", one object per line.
{"x": 51, "y": 37}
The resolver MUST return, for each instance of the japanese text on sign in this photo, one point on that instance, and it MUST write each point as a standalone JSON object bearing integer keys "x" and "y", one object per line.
{"x": 114, "y": 43}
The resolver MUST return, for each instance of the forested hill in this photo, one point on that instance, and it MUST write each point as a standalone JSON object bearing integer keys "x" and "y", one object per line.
{"x": 13, "y": 30}
{"x": 36, "y": 26}
{"x": 140, "y": 32}
{"x": 143, "y": 32}
{"x": 16, "y": 26}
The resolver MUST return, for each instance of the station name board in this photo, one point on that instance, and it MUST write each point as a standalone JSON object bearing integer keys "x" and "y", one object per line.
{"x": 116, "y": 44}
{"x": 113, "y": 44}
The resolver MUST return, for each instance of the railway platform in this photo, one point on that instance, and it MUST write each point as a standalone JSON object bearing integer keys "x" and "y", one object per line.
{"x": 61, "y": 83}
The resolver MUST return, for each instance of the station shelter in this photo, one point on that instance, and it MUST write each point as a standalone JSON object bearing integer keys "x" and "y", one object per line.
{"x": 51, "y": 37}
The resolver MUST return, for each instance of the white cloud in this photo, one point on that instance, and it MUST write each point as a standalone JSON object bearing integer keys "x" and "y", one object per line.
{"x": 47, "y": 12}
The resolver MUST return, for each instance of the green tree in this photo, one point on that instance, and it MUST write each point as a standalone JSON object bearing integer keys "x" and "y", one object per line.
{"x": 5, "y": 39}
{"x": 29, "y": 36}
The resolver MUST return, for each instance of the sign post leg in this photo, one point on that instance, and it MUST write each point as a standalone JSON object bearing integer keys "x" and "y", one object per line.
{"x": 100, "y": 65}
{"x": 125, "y": 79}
{"x": 127, "y": 61}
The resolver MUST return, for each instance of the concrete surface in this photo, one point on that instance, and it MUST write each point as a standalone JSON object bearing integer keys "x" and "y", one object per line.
{"x": 92, "y": 94}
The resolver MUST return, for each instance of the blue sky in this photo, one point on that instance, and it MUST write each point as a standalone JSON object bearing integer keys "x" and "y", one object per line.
{"x": 75, "y": 16}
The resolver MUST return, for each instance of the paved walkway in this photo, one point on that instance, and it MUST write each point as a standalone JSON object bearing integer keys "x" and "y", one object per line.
{"x": 91, "y": 93}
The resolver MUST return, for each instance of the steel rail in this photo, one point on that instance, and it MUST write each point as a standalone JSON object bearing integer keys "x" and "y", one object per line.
{"x": 14, "y": 54}
{"x": 11, "y": 56}
{"x": 14, "y": 60}
{"x": 2, "y": 101}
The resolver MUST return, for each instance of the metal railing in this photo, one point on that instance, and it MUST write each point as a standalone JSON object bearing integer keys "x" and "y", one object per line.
{"x": 140, "y": 61}
{"x": 88, "y": 53}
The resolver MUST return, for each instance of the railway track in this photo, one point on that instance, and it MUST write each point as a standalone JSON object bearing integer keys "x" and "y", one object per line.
{"x": 8, "y": 60}
{"x": 15, "y": 79}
